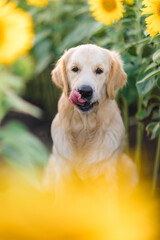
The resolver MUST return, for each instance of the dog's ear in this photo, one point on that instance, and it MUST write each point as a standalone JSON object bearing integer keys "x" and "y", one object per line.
{"x": 59, "y": 75}
{"x": 117, "y": 77}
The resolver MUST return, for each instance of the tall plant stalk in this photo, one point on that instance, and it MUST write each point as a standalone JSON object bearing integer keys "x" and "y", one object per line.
{"x": 140, "y": 130}
{"x": 139, "y": 137}
{"x": 125, "y": 118}
{"x": 156, "y": 166}
{"x": 140, "y": 127}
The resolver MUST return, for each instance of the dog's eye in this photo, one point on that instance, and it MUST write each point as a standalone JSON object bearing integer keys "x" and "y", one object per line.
{"x": 75, "y": 69}
{"x": 99, "y": 71}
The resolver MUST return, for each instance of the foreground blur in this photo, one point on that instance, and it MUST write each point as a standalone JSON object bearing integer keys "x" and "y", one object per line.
{"x": 83, "y": 212}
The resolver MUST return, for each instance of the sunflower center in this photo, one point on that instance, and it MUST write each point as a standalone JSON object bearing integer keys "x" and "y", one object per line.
{"x": 109, "y": 5}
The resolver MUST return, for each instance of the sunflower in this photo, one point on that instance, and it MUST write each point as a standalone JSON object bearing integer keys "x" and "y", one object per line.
{"x": 107, "y": 11}
{"x": 152, "y": 7}
{"x": 16, "y": 32}
{"x": 38, "y": 3}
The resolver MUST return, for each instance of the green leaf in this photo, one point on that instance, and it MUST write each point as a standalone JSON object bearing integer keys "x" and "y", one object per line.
{"x": 21, "y": 148}
{"x": 83, "y": 30}
{"x": 43, "y": 63}
{"x": 42, "y": 49}
{"x": 21, "y": 105}
{"x": 23, "y": 67}
{"x": 156, "y": 56}
{"x": 156, "y": 37}
{"x": 136, "y": 43}
{"x": 150, "y": 66}
{"x": 8, "y": 80}
{"x": 43, "y": 55}
{"x": 147, "y": 83}
{"x": 41, "y": 35}
{"x": 158, "y": 82}
{"x": 144, "y": 113}
{"x": 153, "y": 98}
{"x": 153, "y": 129}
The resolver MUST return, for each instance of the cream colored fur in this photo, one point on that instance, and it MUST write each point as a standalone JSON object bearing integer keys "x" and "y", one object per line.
{"x": 91, "y": 144}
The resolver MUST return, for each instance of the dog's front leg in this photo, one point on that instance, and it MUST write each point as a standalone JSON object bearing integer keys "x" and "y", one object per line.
{"x": 57, "y": 173}
{"x": 127, "y": 172}
{"x": 52, "y": 175}
{"x": 111, "y": 177}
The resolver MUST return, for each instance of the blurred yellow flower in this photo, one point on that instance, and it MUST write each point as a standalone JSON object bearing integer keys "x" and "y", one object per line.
{"x": 85, "y": 212}
{"x": 152, "y": 7}
{"x": 16, "y": 32}
{"x": 106, "y": 11}
{"x": 38, "y": 3}
{"x": 129, "y": 2}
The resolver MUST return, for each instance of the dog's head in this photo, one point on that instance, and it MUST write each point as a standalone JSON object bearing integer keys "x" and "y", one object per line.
{"x": 87, "y": 74}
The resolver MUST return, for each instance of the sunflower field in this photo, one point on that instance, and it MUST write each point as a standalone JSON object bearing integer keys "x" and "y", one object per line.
{"x": 33, "y": 35}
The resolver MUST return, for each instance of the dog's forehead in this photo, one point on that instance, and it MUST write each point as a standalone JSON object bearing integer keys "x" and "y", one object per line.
{"x": 90, "y": 55}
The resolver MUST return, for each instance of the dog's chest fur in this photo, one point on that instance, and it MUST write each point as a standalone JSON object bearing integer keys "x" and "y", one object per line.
{"x": 88, "y": 139}
{"x": 84, "y": 130}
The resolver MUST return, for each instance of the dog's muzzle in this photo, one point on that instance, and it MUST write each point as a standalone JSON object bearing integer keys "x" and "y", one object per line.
{"x": 82, "y": 97}
{"x": 86, "y": 92}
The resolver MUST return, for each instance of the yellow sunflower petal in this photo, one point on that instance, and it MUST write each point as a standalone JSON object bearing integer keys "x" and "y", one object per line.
{"x": 16, "y": 30}
{"x": 149, "y": 2}
{"x": 153, "y": 24}
{"x": 38, "y": 3}
{"x": 152, "y": 7}
{"x": 107, "y": 11}
{"x": 145, "y": 2}
{"x": 148, "y": 10}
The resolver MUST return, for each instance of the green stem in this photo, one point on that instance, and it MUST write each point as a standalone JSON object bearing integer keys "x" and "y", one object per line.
{"x": 156, "y": 166}
{"x": 1, "y": 107}
{"x": 125, "y": 118}
{"x": 140, "y": 129}
{"x": 140, "y": 126}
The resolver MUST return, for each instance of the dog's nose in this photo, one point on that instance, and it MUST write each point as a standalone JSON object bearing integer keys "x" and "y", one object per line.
{"x": 86, "y": 92}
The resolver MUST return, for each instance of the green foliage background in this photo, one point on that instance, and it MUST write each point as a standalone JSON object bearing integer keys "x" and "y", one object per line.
{"x": 64, "y": 24}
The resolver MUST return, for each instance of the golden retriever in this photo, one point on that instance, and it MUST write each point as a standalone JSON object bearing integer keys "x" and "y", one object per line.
{"x": 88, "y": 133}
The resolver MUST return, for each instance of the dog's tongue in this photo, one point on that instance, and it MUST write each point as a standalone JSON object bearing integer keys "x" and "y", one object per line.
{"x": 76, "y": 98}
